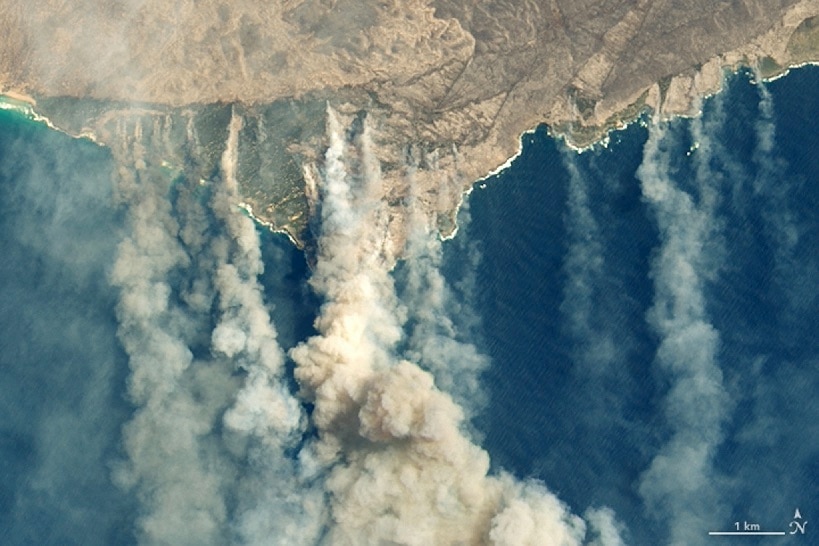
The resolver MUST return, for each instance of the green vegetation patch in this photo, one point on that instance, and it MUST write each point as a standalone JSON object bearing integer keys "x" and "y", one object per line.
{"x": 769, "y": 68}
{"x": 270, "y": 174}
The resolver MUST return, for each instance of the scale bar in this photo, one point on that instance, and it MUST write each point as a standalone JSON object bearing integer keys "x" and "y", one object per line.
{"x": 746, "y": 533}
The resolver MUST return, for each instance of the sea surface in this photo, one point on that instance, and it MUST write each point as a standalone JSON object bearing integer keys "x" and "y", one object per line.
{"x": 650, "y": 310}
{"x": 575, "y": 261}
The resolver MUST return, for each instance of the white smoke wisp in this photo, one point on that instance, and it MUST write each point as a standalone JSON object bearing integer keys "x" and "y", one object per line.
{"x": 400, "y": 469}
{"x": 264, "y": 419}
{"x": 178, "y": 472}
{"x": 766, "y": 129}
{"x": 679, "y": 486}
{"x": 597, "y": 354}
{"x": 437, "y": 315}
{"x": 604, "y": 528}
{"x": 584, "y": 266}
{"x": 208, "y": 447}
{"x": 771, "y": 185}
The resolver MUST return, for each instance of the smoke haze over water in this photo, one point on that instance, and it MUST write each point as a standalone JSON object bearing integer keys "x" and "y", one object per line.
{"x": 628, "y": 331}
{"x": 218, "y": 450}
{"x": 680, "y": 483}
{"x": 400, "y": 468}
{"x": 61, "y": 370}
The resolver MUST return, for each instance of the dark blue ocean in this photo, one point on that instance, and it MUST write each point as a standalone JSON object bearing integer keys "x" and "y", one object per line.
{"x": 567, "y": 282}
{"x": 651, "y": 312}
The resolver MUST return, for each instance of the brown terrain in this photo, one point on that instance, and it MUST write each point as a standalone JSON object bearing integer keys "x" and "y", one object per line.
{"x": 448, "y": 86}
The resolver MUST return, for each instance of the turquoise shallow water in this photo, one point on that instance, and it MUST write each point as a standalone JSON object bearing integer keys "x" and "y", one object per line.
{"x": 582, "y": 390}
{"x": 61, "y": 369}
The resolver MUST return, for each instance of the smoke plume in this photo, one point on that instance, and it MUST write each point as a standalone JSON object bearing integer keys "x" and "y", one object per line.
{"x": 219, "y": 451}
{"x": 584, "y": 266}
{"x": 206, "y": 447}
{"x": 273, "y": 501}
{"x": 679, "y": 485}
{"x": 440, "y": 320}
{"x": 400, "y": 468}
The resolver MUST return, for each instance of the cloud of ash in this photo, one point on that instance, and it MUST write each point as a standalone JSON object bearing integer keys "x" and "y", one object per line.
{"x": 400, "y": 469}
{"x": 219, "y": 451}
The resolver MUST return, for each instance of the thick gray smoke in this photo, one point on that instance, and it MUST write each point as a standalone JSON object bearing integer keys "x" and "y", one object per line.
{"x": 214, "y": 450}
{"x": 400, "y": 468}
{"x": 680, "y": 484}
{"x": 179, "y": 473}
{"x": 206, "y": 446}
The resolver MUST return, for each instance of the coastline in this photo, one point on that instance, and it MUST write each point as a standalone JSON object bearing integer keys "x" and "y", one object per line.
{"x": 26, "y": 107}
{"x": 247, "y": 209}
{"x": 644, "y": 117}
{"x": 468, "y": 86}
{"x": 788, "y": 69}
